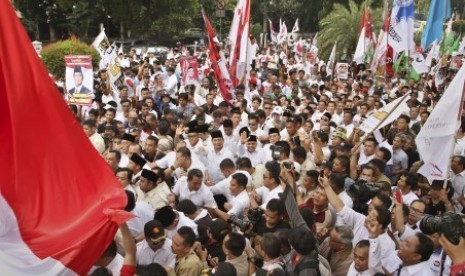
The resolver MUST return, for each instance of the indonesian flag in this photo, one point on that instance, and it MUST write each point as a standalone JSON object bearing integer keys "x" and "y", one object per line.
{"x": 60, "y": 203}
{"x": 239, "y": 37}
{"x": 296, "y": 28}
{"x": 435, "y": 141}
{"x": 282, "y": 36}
{"x": 273, "y": 35}
{"x": 365, "y": 37}
{"x": 218, "y": 63}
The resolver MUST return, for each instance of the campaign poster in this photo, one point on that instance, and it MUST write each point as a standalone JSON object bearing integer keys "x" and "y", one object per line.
{"x": 342, "y": 71}
{"x": 79, "y": 79}
{"x": 189, "y": 70}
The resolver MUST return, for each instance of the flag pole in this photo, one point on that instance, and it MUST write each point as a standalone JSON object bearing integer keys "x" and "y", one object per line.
{"x": 382, "y": 121}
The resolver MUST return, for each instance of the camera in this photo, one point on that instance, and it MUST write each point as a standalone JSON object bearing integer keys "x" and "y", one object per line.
{"x": 449, "y": 224}
{"x": 361, "y": 192}
{"x": 253, "y": 217}
{"x": 276, "y": 152}
{"x": 241, "y": 223}
{"x": 287, "y": 165}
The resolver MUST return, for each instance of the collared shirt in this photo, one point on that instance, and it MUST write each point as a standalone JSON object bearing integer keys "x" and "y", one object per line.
{"x": 183, "y": 221}
{"x": 409, "y": 197}
{"x": 188, "y": 265}
{"x": 202, "y": 197}
{"x": 339, "y": 261}
{"x": 195, "y": 164}
{"x": 256, "y": 157}
{"x": 157, "y": 197}
{"x": 399, "y": 159}
{"x": 266, "y": 194}
{"x": 213, "y": 160}
{"x": 164, "y": 255}
{"x": 420, "y": 269}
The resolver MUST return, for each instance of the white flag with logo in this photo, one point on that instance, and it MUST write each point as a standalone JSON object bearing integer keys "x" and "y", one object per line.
{"x": 282, "y": 35}
{"x": 386, "y": 115}
{"x": 435, "y": 141}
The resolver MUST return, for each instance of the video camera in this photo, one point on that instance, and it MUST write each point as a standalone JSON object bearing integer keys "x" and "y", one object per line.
{"x": 253, "y": 217}
{"x": 449, "y": 224}
{"x": 361, "y": 192}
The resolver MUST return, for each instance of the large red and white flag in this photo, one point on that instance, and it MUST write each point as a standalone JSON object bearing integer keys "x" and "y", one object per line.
{"x": 239, "y": 37}
{"x": 435, "y": 141}
{"x": 366, "y": 36}
{"x": 218, "y": 63}
{"x": 60, "y": 203}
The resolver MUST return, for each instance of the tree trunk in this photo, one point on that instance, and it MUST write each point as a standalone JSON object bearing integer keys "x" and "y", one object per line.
{"x": 121, "y": 29}
{"x": 51, "y": 29}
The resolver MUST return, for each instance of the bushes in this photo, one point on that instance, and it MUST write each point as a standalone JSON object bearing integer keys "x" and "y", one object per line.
{"x": 53, "y": 54}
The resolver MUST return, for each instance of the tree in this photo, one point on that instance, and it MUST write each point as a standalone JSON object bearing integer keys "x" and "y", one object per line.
{"x": 343, "y": 24}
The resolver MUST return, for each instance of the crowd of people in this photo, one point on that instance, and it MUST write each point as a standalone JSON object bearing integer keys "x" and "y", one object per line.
{"x": 279, "y": 181}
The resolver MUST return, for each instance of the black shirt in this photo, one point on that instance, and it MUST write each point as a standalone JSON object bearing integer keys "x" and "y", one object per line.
{"x": 260, "y": 228}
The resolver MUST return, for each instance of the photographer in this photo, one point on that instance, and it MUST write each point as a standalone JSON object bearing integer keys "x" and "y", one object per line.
{"x": 358, "y": 221}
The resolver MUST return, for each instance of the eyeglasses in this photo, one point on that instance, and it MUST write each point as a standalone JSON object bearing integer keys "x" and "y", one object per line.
{"x": 413, "y": 209}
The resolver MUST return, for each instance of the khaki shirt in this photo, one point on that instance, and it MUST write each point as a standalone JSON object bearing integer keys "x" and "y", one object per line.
{"x": 157, "y": 197}
{"x": 188, "y": 265}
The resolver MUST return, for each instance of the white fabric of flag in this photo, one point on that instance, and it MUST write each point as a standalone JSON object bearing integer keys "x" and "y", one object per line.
{"x": 435, "y": 141}
{"x": 386, "y": 115}
{"x": 331, "y": 61}
{"x": 401, "y": 26}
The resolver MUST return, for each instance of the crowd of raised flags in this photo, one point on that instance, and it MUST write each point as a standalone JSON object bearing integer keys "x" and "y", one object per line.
{"x": 270, "y": 127}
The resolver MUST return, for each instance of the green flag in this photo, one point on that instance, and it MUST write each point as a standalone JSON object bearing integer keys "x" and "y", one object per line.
{"x": 401, "y": 63}
{"x": 455, "y": 46}
{"x": 447, "y": 42}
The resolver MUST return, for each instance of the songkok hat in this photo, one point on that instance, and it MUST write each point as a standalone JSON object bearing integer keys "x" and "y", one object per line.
{"x": 129, "y": 137}
{"x": 273, "y": 130}
{"x": 138, "y": 160}
{"x": 148, "y": 174}
{"x": 216, "y": 134}
{"x": 252, "y": 138}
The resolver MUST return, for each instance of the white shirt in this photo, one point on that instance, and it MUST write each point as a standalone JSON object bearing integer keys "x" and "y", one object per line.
{"x": 167, "y": 160}
{"x": 143, "y": 213}
{"x": 357, "y": 222}
{"x": 114, "y": 266}
{"x": 183, "y": 221}
{"x": 164, "y": 255}
{"x": 214, "y": 159}
{"x": 123, "y": 163}
{"x": 408, "y": 198}
{"x": 201, "y": 197}
{"x": 195, "y": 164}
{"x": 98, "y": 142}
{"x": 171, "y": 85}
{"x": 222, "y": 187}
{"x": 266, "y": 194}
{"x": 256, "y": 157}
{"x": 239, "y": 203}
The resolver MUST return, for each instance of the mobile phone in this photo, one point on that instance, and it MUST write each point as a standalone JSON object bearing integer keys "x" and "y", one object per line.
{"x": 322, "y": 173}
{"x": 398, "y": 195}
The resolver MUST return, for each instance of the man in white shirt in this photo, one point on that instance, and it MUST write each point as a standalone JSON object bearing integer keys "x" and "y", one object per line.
{"x": 156, "y": 247}
{"x": 248, "y": 148}
{"x": 90, "y": 129}
{"x": 358, "y": 221}
{"x": 271, "y": 186}
{"x": 215, "y": 155}
{"x": 173, "y": 220}
{"x": 192, "y": 187}
{"x": 171, "y": 85}
{"x": 110, "y": 259}
{"x": 408, "y": 182}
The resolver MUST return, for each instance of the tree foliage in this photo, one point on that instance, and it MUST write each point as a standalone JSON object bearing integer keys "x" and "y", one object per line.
{"x": 52, "y": 55}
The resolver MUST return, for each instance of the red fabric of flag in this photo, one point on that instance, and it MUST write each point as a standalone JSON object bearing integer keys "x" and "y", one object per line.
{"x": 66, "y": 200}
